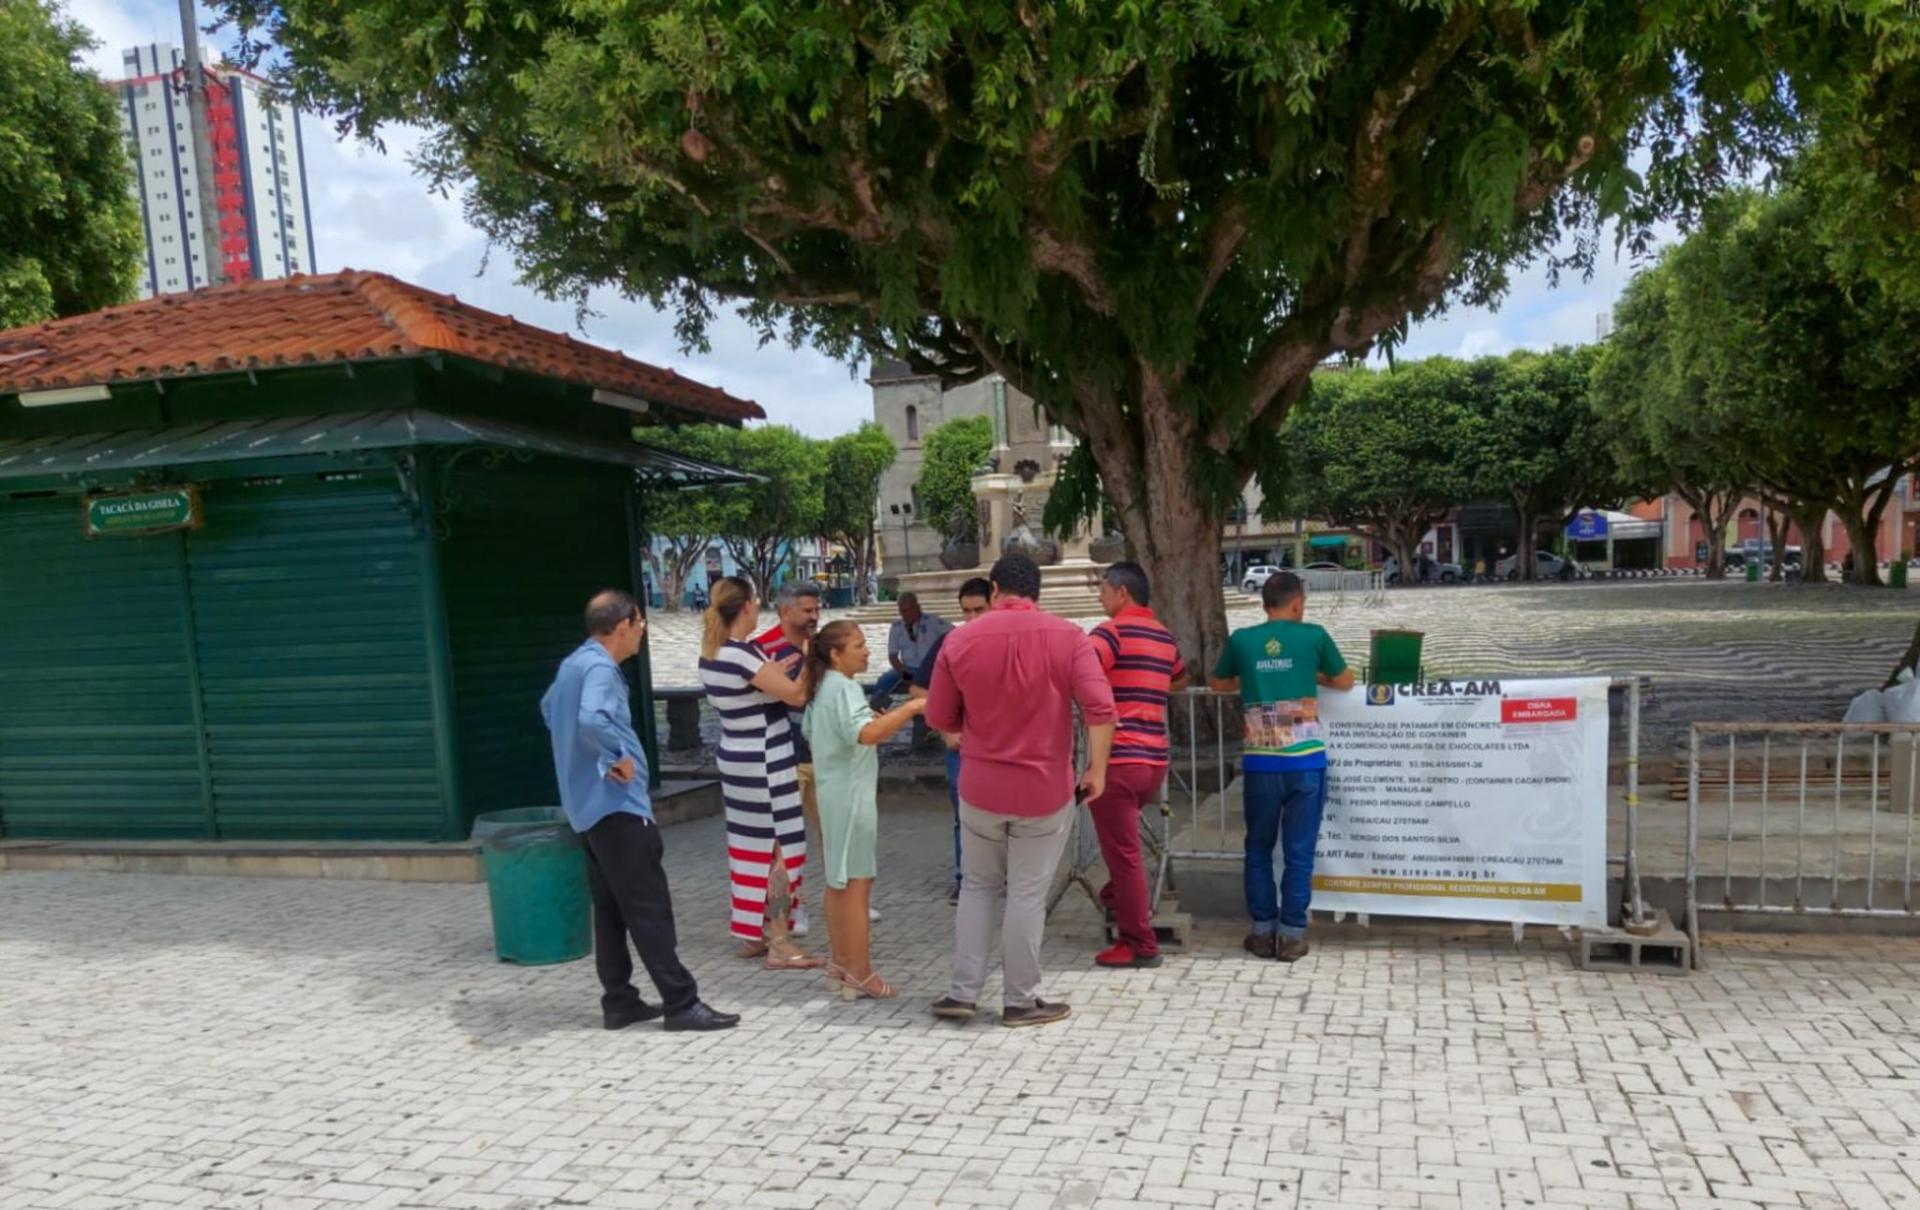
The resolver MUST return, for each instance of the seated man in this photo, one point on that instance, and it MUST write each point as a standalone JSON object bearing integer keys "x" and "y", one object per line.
{"x": 908, "y": 645}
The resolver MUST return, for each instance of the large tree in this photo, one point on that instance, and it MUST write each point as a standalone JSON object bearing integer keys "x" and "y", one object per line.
{"x": 855, "y": 462}
{"x": 948, "y": 458}
{"x": 1544, "y": 449}
{"x": 684, "y": 522}
{"x": 760, "y": 521}
{"x": 1154, "y": 218}
{"x": 69, "y": 221}
{"x": 1665, "y": 436}
{"x": 1388, "y": 452}
{"x": 1820, "y": 362}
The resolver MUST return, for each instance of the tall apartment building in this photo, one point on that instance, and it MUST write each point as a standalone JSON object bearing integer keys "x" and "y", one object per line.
{"x": 259, "y": 174}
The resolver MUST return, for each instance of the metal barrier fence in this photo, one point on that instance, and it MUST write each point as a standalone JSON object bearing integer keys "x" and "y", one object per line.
{"x": 1826, "y": 809}
{"x": 1335, "y": 588}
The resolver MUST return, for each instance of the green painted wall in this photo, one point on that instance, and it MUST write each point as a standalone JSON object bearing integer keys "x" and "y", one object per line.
{"x": 97, "y": 733}
{"x": 523, "y": 545}
{"x": 307, "y": 601}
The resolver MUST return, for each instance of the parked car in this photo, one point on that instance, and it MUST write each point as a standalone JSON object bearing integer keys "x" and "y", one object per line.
{"x": 1257, "y": 576}
{"x": 1736, "y": 557}
{"x": 1426, "y": 571}
{"x": 1546, "y": 566}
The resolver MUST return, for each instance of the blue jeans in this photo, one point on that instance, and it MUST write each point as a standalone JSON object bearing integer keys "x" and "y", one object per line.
{"x": 1283, "y": 809}
{"x": 885, "y": 687}
{"x": 953, "y": 796}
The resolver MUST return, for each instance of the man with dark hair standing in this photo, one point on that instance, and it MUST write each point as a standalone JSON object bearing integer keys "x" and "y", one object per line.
{"x": 797, "y": 606}
{"x": 1143, "y": 665}
{"x": 976, "y": 597}
{"x": 602, "y": 772}
{"x": 1278, "y": 668}
{"x": 1008, "y": 684}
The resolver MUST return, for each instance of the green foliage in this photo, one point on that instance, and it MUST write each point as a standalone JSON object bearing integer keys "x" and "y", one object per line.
{"x": 685, "y": 521}
{"x": 1665, "y": 436}
{"x": 948, "y": 457}
{"x": 1814, "y": 366}
{"x": 1155, "y": 219}
{"x": 1544, "y": 448}
{"x": 757, "y": 521}
{"x": 70, "y": 237}
{"x": 855, "y": 462}
{"x": 1389, "y": 452}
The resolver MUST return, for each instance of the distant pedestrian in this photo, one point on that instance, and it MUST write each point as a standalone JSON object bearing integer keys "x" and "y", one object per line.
{"x": 1008, "y": 684}
{"x": 1278, "y": 669}
{"x": 766, "y": 830}
{"x": 908, "y": 642}
{"x": 976, "y": 597}
{"x": 602, "y": 772}
{"x": 845, "y": 733}
{"x": 1143, "y": 664}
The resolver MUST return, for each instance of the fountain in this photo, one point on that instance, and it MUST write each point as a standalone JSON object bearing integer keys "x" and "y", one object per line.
{"x": 1010, "y": 494}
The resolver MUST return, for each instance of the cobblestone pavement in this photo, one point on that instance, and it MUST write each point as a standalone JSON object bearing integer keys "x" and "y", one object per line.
{"x": 1726, "y": 651}
{"x": 176, "y": 1041}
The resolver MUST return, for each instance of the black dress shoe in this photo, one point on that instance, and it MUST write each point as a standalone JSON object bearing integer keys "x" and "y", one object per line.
{"x": 1042, "y": 1013}
{"x": 629, "y": 1014}
{"x": 700, "y": 1017}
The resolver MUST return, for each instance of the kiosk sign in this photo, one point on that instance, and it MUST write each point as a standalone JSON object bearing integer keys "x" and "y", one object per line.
{"x": 156, "y": 510}
{"x": 1476, "y": 800}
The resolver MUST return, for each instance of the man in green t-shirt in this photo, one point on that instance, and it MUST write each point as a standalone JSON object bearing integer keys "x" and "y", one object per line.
{"x": 1278, "y": 668}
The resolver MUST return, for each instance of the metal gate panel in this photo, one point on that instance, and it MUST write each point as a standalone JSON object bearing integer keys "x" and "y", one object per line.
{"x": 97, "y": 732}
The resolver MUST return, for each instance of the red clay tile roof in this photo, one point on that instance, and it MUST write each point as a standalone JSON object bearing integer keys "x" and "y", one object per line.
{"x": 322, "y": 320}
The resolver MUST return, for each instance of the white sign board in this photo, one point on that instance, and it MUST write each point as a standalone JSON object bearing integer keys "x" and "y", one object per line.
{"x": 1475, "y": 800}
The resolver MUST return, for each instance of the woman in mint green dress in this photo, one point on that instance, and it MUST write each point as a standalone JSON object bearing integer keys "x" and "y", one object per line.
{"x": 843, "y": 731}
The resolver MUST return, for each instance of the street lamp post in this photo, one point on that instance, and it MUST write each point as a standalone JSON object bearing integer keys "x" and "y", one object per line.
{"x": 905, "y": 513}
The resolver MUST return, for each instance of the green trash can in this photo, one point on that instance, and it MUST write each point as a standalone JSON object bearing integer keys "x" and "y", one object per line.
{"x": 536, "y": 885}
{"x": 1753, "y": 571}
{"x": 1897, "y": 573}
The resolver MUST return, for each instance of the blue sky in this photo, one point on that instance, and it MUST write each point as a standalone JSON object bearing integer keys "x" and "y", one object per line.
{"x": 372, "y": 212}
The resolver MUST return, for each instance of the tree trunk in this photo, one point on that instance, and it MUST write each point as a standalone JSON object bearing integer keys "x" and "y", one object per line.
{"x": 1813, "y": 548}
{"x": 1525, "y": 565}
{"x": 1860, "y": 534}
{"x": 1777, "y": 535}
{"x": 1175, "y": 539}
{"x": 1713, "y": 509}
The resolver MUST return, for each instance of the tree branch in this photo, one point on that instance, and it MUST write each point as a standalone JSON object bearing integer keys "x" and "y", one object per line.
{"x": 1368, "y": 179}
{"x": 1073, "y": 260}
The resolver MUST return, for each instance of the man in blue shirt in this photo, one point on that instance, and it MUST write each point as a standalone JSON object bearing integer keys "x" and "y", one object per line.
{"x": 602, "y": 772}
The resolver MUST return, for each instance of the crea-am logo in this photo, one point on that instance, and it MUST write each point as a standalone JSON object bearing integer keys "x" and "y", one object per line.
{"x": 1441, "y": 689}
{"x": 1273, "y": 646}
{"x": 1379, "y": 695}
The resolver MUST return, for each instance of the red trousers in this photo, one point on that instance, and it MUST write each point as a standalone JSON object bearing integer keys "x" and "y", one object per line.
{"x": 1116, "y": 821}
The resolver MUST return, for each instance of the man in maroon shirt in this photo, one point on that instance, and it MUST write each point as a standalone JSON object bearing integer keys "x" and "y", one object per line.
{"x": 1008, "y": 683}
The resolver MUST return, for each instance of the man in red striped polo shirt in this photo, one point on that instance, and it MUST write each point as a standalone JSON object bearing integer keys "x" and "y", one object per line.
{"x": 1143, "y": 665}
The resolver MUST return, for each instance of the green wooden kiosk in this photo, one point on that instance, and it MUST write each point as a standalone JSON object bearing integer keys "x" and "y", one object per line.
{"x": 295, "y": 560}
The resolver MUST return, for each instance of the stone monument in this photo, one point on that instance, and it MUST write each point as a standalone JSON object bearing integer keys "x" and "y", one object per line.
{"x": 1011, "y": 493}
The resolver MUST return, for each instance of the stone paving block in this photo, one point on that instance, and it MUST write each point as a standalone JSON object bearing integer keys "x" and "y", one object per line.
{"x": 182, "y": 1041}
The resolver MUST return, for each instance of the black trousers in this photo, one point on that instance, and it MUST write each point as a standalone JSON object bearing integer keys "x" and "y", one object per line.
{"x": 630, "y": 898}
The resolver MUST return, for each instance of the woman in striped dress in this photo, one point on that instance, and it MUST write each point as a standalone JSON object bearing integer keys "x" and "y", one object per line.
{"x": 759, "y": 776}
